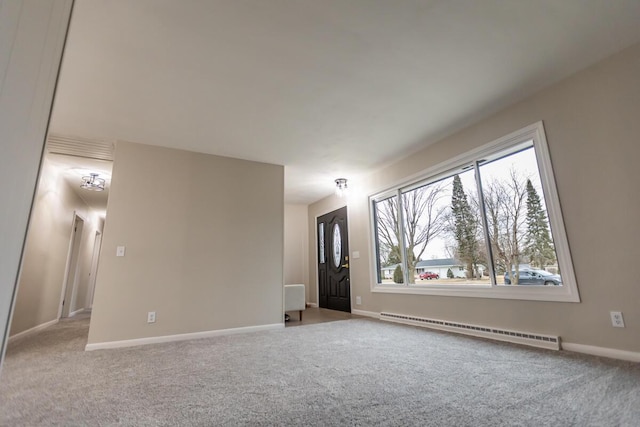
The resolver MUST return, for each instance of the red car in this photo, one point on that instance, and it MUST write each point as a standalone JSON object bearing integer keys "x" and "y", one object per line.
{"x": 429, "y": 275}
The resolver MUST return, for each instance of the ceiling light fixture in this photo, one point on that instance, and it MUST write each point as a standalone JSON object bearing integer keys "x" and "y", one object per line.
{"x": 341, "y": 187}
{"x": 92, "y": 182}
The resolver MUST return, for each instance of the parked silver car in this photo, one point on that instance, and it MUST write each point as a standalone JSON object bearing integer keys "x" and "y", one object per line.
{"x": 530, "y": 276}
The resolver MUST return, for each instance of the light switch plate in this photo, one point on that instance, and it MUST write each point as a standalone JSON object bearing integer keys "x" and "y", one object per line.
{"x": 120, "y": 251}
{"x": 356, "y": 254}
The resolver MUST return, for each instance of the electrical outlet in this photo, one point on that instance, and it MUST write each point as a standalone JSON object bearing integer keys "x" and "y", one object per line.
{"x": 151, "y": 317}
{"x": 120, "y": 251}
{"x": 616, "y": 319}
{"x": 358, "y": 300}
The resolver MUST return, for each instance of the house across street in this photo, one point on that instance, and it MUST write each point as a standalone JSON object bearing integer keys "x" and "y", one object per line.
{"x": 437, "y": 266}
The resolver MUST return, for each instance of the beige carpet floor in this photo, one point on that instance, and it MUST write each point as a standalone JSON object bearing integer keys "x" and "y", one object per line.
{"x": 356, "y": 372}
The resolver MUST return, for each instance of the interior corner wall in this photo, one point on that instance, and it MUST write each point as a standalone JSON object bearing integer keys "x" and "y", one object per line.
{"x": 203, "y": 238}
{"x": 32, "y": 37}
{"x": 296, "y": 245}
{"x": 47, "y": 249}
{"x": 592, "y": 128}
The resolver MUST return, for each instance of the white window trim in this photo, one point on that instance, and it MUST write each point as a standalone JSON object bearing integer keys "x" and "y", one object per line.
{"x": 566, "y": 293}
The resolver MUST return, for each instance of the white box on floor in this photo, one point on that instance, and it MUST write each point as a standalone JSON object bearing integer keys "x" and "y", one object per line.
{"x": 294, "y": 298}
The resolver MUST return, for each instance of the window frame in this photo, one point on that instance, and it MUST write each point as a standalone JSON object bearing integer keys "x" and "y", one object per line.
{"x": 568, "y": 292}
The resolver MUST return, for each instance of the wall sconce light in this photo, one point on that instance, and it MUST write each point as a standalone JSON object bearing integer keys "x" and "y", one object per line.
{"x": 341, "y": 187}
{"x": 92, "y": 182}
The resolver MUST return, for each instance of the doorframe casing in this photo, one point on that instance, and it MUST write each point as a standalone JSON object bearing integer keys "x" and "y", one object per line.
{"x": 67, "y": 269}
{"x": 317, "y": 254}
{"x": 95, "y": 261}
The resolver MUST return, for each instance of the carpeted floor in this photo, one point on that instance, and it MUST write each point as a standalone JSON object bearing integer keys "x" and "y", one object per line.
{"x": 351, "y": 372}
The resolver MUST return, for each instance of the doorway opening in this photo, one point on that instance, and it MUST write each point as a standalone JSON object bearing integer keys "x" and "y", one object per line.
{"x": 70, "y": 288}
{"x": 62, "y": 247}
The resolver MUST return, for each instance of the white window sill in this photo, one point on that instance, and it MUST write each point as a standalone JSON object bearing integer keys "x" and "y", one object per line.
{"x": 522, "y": 292}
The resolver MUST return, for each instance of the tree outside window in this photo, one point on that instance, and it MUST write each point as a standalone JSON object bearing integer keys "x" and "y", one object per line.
{"x": 447, "y": 218}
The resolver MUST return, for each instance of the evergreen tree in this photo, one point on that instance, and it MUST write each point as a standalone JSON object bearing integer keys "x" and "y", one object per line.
{"x": 465, "y": 226}
{"x": 398, "y": 277}
{"x": 538, "y": 244}
{"x": 449, "y": 273}
{"x": 394, "y": 255}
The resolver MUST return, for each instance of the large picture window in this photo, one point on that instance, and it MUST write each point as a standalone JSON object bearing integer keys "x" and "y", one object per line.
{"x": 485, "y": 224}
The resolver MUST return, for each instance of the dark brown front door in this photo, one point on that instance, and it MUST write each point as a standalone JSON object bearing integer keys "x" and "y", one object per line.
{"x": 333, "y": 261}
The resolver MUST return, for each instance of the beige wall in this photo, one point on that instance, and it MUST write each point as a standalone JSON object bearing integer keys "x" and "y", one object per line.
{"x": 593, "y": 128}
{"x": 46, "y": 252}
{"x": 204, "y": 245}
{"x": 296, "y": 245}
{"x": 31, "y": 41}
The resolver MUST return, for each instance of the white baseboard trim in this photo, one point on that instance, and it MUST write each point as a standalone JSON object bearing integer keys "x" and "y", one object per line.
{"x": 180, "y": 337}
{"x": 312, "y": 304}
{"x": 366, "y": 313}
{"x": 74, "y": 313}
{"x": 613, "y": 353}
{"x": 32, "y": 330}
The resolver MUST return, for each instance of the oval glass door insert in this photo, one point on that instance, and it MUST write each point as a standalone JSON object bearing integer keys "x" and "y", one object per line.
{"x": 337, "y": 245}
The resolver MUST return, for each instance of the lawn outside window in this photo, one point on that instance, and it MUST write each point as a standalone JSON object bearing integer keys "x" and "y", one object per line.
{"x": 485, "y": 224}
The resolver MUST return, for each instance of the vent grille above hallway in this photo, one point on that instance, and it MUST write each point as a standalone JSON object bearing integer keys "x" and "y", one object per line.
{"x": 80, "y": 147}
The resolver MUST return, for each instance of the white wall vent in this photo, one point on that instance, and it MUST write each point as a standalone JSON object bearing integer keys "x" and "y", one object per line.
{"x": 518, "y": 337}
{"x": 80, "y": 147}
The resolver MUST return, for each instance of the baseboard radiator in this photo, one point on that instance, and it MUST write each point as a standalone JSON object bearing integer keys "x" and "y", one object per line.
{"x": 518, "y": 337}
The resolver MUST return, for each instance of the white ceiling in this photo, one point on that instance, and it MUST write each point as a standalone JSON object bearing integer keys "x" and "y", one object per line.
{"x": 331, "y": 88}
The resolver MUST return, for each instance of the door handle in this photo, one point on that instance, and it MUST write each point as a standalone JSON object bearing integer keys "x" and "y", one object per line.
{"x": 345, "y": 265}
